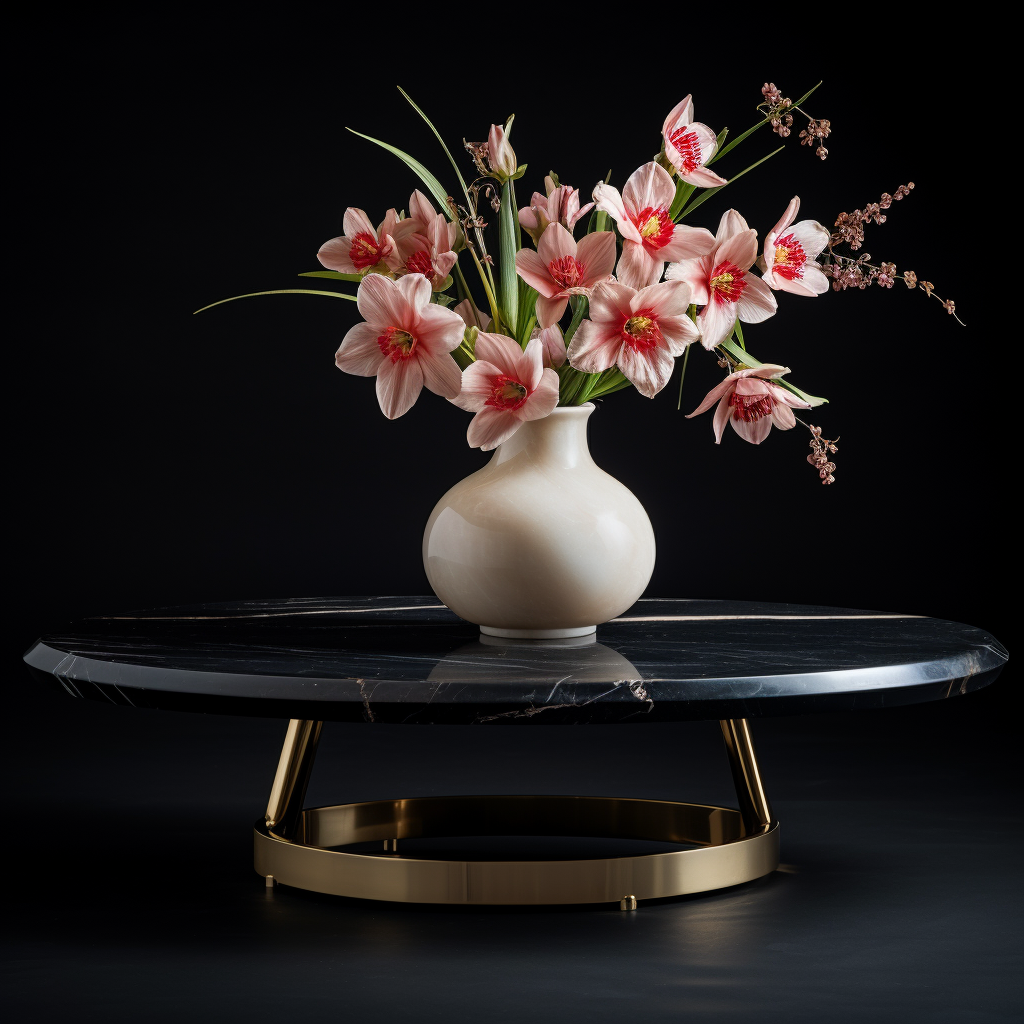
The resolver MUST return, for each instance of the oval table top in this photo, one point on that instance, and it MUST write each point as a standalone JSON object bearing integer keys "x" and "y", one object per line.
{"x": 411, "y": 660}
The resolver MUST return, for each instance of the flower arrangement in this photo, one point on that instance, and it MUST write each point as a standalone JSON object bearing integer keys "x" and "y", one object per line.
{"x": 640, "y": 285}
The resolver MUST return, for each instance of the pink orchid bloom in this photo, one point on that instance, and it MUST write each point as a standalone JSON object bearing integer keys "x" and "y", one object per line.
{"x": 649, "y": 238}
{"x": 500, "y": 156}
{"x": 560, "y": 268}
{"x": 561, "y": 205}
{"x": 790, "y": 251}
{"x": 405, "y": 342}
{"x": 429, "y": 252}
{"x": 361, "y": 249}
{"x": 553, "y": 342}
{"x": 689, "y": 145}
{"x": 472, "y": 316}
{"x": 752, "y": 403}
{"x": 640, "y": 332}
{"x": 505, "y": 387}
{"x": 721, "y": 282}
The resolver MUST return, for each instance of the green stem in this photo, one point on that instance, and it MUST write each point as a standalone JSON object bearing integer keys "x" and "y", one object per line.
{"x": 682, "y": 377}
{"x": 709, "y": 192}
{"x": 495, "y": 315}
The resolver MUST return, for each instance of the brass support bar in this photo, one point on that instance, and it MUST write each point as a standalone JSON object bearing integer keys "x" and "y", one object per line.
{"x": 755, "y": 809}
{"x": 284, "y": 809}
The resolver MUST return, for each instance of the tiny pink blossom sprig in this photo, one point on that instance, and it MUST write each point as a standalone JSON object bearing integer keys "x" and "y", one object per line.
{"x": 639, "y": 331}
{"x": 821, "y": 450}
{"x": 751, "y": 401}
{"x": 405, "y": 342}
{"x": 848, "y": 272}
{"x": 777, "y": 109}
{"x": 505, "y": 387}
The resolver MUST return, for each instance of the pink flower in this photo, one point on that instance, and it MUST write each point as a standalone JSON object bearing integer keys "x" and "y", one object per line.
{"x": 472, "y": 317}
{"x": 752, "y": 403}
{"x": 641, "y": 332}
{"x": 500, "y": 156}
{"x": 505, "y": 387}
{"x": 561, "y": 205}
{"x": 721, "y": 282}
{"x": 689, "y": 145}
{"x": 559, "y": 268}
{"x": 649, "y": 237}
{"x": 405, "y": 342}
{"x": 361, "y": 249}
{"x": 553, "y": 342}
{"x": 429, "y": 253}
{"x": 790, "y": 252}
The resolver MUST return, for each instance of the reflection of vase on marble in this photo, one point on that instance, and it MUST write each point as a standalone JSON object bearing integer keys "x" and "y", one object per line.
{"x": 570, "y": 660}
{"x": 541, "y": 542}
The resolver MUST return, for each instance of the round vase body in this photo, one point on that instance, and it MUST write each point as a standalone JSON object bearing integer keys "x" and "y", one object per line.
{"x": 540, "y": 542}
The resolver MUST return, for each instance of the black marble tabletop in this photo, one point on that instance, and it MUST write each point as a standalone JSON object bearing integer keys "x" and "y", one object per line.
{"x": 410, "y": 660}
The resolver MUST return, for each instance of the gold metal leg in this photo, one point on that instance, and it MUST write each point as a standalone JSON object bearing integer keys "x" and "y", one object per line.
{"x": 306, "y": 848}
{"x": 284, "y": 809}
{"x": 755, "y": 809}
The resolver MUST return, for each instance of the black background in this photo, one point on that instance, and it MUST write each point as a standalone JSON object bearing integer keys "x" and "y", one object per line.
{"x": 162, "y": 457}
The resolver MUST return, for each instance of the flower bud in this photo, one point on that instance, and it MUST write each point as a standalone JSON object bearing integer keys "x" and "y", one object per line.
{"x": 501, "y": 158}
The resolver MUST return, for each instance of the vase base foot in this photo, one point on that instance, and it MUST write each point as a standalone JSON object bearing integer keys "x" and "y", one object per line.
{"x": 538, "y": 634}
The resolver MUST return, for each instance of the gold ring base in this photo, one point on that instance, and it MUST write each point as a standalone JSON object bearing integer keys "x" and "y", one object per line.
{"x": 727, "y": 852}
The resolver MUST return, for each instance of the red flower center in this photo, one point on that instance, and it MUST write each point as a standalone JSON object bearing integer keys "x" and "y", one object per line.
{"x": 365, "y": 251}
{"x": 751, "y": 407}
{"x": 641, "y": 331}
{"x": 507, "y": 393}
{"x": 566, "y": 271}
{"x": 789, "y": 258}
{"x": 420, "y": 263}
{"x": 687, "y": 144}
{"x": 727, "y": 282}
{"x": 396, "y": 344}
{"x": 655, "y": 226}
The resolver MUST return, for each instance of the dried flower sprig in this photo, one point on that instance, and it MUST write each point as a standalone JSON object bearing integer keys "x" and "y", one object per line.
{"x": 821, "y": 449}
{"x": 777, "y": 110}
{"x": 847, "y": 272}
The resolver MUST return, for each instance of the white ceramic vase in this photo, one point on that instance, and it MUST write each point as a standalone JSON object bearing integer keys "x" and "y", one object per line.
{"x": 540, "y": 543}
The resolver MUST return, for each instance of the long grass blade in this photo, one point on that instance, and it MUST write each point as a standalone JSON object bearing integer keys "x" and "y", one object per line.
{"x": 435, "y": 187}
{"x": 278, "y": 291}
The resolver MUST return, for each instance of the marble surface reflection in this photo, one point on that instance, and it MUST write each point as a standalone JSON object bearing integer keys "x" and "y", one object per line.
{"x": 409, "y": 659}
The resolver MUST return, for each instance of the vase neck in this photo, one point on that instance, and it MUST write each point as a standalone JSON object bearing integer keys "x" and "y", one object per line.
{"x": 558, "y": 440}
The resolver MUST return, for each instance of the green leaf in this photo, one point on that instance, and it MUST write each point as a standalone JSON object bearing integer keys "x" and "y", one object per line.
{"x": 579, "y": 312}
{"x": 508, "y": 283}
{"x": 437, "y": 135}
{"x": 683, "y": 192}
{"x": 279, "y": 291}
{"x": 744, "y": 357}
{"x": 739, "y": 335}
{"x": 735, "y": 142}
{"x": 527, "y": 314}
{"x": 709, "y": 192}
{"x": 333, "y": 275}
{"x": 435, "y": 187}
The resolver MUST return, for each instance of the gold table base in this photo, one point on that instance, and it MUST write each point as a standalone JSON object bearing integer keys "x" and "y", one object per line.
{"x": 294, "y": 846}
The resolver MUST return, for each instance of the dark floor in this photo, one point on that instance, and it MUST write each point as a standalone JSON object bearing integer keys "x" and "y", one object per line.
{"x": 132, "y": 896}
